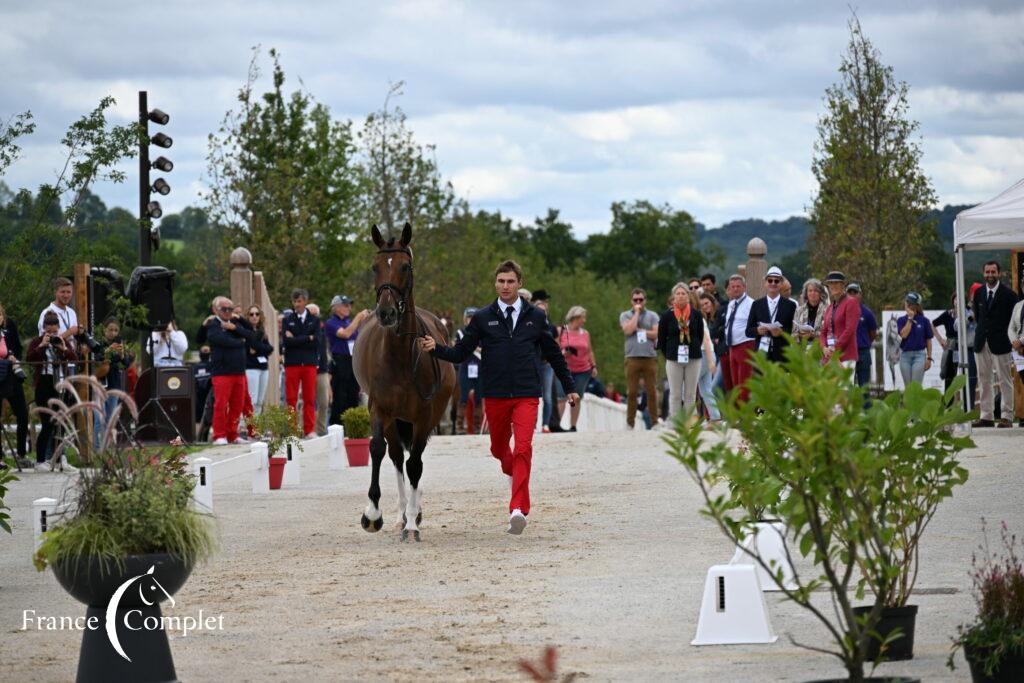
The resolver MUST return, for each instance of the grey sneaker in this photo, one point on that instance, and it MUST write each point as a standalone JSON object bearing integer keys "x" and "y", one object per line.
{"x": 43, "y": 466}
{"x": 516, "y": 522}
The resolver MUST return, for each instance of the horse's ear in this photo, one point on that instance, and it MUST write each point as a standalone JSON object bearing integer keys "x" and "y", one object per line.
{"x": 378, "y": 239}
{"x": 406, "y": 234}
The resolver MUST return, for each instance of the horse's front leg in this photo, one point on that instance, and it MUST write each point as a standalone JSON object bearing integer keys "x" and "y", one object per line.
{"x": 397, "y": 455}
{"x": 372, "y": 519}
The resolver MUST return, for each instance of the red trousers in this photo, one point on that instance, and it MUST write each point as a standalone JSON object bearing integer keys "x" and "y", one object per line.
{"x": 738, "y": 370}
{"x": 228, "y": 399}
{"x": 294, "y": 375}
{"x": 508, "y": 417}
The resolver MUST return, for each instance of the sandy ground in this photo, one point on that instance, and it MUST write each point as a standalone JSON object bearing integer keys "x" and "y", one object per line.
{"x": 611, "y": 570}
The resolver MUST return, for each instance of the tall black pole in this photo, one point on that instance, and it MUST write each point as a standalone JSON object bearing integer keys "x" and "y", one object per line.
{"x": 145, "y": 253}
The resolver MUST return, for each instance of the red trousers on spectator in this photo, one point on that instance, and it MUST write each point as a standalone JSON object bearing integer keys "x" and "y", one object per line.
{"x": 739, "y": 368}
{"x": 294, "y": 375}
{"x": 508, "y": 417}
{"x": 228, "y": 399}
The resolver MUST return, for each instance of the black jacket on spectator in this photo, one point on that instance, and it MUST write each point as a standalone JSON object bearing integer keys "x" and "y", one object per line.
{"x": 994, "y": 322}
{"x": 302, "y": 347}
{"x": 721, "y": 347}
{"x": 9, "y": 332}
{"x": 227, "y": 347}
{"x": 510, "y": 364}
{"x": 256, "y": 347}
{"x": 760, "y": 314}
{"x": 668, "y": 334}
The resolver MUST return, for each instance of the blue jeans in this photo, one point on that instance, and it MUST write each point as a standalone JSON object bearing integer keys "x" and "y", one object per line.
{"x": 863, "y": 370}
{"x": 547, "y": 376}
{"x": 707, "y": 385}
{"x": 912, "y": 366}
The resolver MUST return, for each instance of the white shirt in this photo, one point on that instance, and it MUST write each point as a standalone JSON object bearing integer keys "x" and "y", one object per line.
{"x": 991, "y": 292}
{"x": 170, "y": 353}
{"x": 517, "y": 307}
{"x": 68, "y": 318}
{"x": 739, "y": 323}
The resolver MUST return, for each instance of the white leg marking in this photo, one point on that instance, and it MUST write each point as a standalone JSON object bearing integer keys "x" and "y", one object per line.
{"x": 372, "y": 513}
{"x": 412, "y": 510}
{"x": 400, "y": 479}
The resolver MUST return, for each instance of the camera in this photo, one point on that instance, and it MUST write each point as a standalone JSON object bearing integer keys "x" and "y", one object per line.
{"x": 57, "y": 340}
{"x": 88, "y": 341}
{"x": 18, "y": 371}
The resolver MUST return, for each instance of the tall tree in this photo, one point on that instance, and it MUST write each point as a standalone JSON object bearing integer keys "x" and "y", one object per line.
{"x": 869, "y": 214}
{"x": 283, "y": 182}
{"x": 553, "y": 239}
{"x": 403, "y": 180}
{"x": 648, "y": 246}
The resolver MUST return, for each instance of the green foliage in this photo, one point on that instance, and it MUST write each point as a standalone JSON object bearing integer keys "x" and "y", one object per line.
{"x": 842, "y": 480}
{"x": 998, "y": 589}
{"x": 649, "y": 246}
{"x": 278, "y": 426}
{"x": 356, "y": 422}
{"x": 130, "y": 503}
{"x": 17, "y": 126}
{"x": 6, "y": 477}
{"x": 869, "y": 213}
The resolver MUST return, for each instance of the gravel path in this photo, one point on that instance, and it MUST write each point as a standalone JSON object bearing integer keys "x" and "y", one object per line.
{"x": 610, "y": 569}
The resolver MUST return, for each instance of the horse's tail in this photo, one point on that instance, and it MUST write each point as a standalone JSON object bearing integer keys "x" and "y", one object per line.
{"x": 405, "y": 433}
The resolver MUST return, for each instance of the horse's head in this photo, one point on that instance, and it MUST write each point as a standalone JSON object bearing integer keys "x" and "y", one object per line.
{"x": 392, "y": 272}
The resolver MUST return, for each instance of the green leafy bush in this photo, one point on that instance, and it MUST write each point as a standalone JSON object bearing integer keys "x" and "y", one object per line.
{"x": 357, "y": 423}
{"x": 6, "y": 477}
{"x": 278, "y": 426}
{"x": 842, "y": 480}
{"x": 998, "y": 588}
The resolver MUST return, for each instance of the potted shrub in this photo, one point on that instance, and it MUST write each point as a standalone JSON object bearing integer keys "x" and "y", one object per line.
{"x": 279, "y": 428}
{"x": 994, "y": 643}
{"x": 129, "y": 519}
{"x": 357, "y": 435}
{"x": 910, "y": 430}
{"x": 812, "y": 441}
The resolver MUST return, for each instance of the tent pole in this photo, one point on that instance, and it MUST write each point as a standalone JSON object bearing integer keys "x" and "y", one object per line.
{"x": 961, "y": 324}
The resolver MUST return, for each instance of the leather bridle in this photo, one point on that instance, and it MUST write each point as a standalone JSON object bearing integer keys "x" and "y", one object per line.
{"x": 400, "y": 295}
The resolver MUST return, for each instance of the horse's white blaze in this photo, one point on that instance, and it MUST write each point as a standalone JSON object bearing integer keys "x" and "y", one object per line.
{"x": 372, "y": 512}
{"x": 412, "y": 510}
{"x": 389, "y": 262}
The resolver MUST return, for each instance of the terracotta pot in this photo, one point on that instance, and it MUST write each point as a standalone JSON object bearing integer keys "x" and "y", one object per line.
{"x": 277, "y": 471}
{"x": 358, "y": 452}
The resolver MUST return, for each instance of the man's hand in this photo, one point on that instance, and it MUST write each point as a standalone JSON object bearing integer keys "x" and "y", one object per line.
{"x": 363, "y": 314}
{"x": 427, "y": 343}
{"x": 828, "y": 353}
{"x": 762, "y": 330}
{"x": 1018, "y": 346}
{"x": 228, "y": 325}
{"x": 70, "y": 332}
{"x": 574, "y": 398}
{"x": 46, "y": 340}
{"x": 775, "y": 331}
{"x": 288, "y": 333}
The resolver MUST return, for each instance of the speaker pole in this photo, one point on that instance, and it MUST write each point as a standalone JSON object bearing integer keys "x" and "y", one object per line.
{"x": 145, "y": 360}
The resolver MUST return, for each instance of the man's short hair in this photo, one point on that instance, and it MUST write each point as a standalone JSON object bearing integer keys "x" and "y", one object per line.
{"x": 992, "y": 263}
{"x": 300, "y": 294}
{"x": 638, "y": 290}
{"x": 737, "y": 276}
{"x": 51, "y": 319}
{"x": 59, "y": 282}
{"x": 709, "y": 276}
{"x": 509, "y": 266}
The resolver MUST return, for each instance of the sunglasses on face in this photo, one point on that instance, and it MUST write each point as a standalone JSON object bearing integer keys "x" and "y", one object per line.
{"x": 638, "y": 301}
{"x": 773, "y": 281}
{"x": 225, "y": 309}
{"x": 694, "y": 288}
{"x": 254, "y": 314}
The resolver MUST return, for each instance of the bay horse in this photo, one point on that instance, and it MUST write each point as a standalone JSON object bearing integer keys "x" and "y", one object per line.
{"x": 409, "y": 390}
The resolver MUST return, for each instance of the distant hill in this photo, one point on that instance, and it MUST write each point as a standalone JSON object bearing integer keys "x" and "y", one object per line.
{"x": 790, "y": 235}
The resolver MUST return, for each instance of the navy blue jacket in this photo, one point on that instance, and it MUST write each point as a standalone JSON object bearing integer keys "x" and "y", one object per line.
{"x": 301, "y": 347}
{"x": 510, "y": 364}
{"x": 257, "y": 347}
{"x": 228, "y": 348}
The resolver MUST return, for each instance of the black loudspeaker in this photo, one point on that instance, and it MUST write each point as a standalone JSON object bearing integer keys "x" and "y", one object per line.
{"x": 166, "y": 398}
{"x": 103, "y": 283}
{"x": 153, "y": 287}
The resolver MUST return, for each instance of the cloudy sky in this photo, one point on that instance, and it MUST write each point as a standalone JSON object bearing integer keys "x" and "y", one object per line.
{"x": 710, "y": 106}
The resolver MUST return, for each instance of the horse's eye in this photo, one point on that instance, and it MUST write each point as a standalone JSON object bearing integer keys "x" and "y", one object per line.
{"x": 406, "y": 267}
{"x": 376, "y": 268}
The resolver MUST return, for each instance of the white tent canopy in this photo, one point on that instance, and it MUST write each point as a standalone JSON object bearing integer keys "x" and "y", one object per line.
{"x": 996, "y": 224}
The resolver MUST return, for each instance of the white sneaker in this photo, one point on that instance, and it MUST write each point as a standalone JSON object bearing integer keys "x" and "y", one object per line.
{"x": 516, "y": 522}
{"x": 241, "y": 439}
{"x": 43, "y": 466}
{"x": 312, "y": 435}
{"x": 220, "y": 442}
{"x": 65, "y": 466}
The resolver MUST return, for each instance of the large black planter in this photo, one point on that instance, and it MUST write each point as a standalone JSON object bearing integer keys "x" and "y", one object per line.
{"x": 1010, "y": 670}
{"x": 142, "y": 638}
{"x": 892, "y": 618}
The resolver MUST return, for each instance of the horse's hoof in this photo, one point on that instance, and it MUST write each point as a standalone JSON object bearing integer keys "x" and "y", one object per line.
{"x": 416, "y": 535}
{"x": 405, "y": 535}
{"x": 372, "y": 525}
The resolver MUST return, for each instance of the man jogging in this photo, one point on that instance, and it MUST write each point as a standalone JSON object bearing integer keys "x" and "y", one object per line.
{"x": 513, "y": 337}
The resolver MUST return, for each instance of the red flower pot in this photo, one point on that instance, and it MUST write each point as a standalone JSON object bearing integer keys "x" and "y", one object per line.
{"x": 358, "y": 452}
{"x": 277, "y": 471}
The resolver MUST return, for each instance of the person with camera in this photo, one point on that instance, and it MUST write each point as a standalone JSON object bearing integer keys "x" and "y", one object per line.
{"x": 168, "y": 347}
{"x": 12, "y": 377}
{"x": 111, "y": 370}
{"x": 67, "y": 319}
{"x": 52, "y": 356}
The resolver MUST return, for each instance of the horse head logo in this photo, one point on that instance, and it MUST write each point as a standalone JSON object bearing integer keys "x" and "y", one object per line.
{"x": 147, "y": 586}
